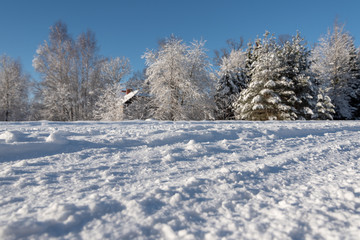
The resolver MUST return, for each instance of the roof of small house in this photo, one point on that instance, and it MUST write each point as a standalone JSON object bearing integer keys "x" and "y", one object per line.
{"x": 129, "y": 96}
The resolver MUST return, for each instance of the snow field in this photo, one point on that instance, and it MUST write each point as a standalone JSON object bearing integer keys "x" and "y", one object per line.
{"x": 180, "y": 180}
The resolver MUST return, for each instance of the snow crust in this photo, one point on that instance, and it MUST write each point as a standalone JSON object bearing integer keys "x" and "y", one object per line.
{"x": 180, "y": 180}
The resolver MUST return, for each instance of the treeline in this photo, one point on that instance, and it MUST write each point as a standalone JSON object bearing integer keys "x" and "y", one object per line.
{"x": 269, "y": 79}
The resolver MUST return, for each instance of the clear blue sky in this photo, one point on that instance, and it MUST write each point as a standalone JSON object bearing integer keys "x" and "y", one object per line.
{"x": 127, "y": 28}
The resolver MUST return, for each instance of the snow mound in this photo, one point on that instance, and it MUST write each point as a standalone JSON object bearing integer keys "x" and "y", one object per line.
{"x": 168, "y": 158}
{"x": 12, "y": 136}
{"x": 58, "y": 137}
{"x": 15, "y": 145}
{"x": 193, "y": 146}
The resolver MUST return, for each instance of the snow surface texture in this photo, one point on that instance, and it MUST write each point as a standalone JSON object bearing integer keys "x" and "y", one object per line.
{"x": 180, "y": 180}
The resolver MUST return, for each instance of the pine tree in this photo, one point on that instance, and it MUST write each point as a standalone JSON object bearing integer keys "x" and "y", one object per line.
{"x": 354, "y": 83}
{"x": 269, "y": 96}
{"x": 231, "y": 82}
{"x": 295, "y": 64}
{"x": 249, "y": 59}
{"x": 324, "y": 109}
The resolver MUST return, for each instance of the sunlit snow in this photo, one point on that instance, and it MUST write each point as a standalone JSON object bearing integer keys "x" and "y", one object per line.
{"x": 180, "y": 180}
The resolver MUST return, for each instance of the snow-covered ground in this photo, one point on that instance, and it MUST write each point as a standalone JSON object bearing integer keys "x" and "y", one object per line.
{"x": 180, "y": 180}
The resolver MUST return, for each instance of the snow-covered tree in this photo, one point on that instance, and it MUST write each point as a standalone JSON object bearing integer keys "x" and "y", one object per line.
{"x": 73, "y": 75}
{"x": 232, "y": 80}
{"x": 295, "y": 64}
{"x": 179, "y": 81}
{"x": 88, "y": 81}
{"x": 324, "y": 109}
{"x": 56, "y": 62}
{"x": 270, "y": 94}
{"x": 110, "y": 105}
{"x": 231, "y": 45}
{"x": 354, "y": 85}
{"x": 334, "y": 61}
{"x": 14, "y": 87}
{"x": 114, "y": 70}
{"x": 138, "y": 82}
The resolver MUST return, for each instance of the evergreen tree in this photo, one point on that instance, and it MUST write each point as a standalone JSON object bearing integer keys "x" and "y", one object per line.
{"x": 249, "y": 59}
{"x": 324, "y": 109}
{"x": 231, "y": 82}
{"x": 354, "y": 84}
{"x": 270, "y": 95}
{"x": 294, "y": 58}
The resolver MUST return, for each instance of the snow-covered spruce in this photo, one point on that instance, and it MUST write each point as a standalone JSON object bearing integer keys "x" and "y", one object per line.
{"x": 281, "y": 86}
{"x": 269, "y": 94}
{"x": 324, "y": 109}
{"x": 232, "y": 80}
{"x": 295, "y": 65}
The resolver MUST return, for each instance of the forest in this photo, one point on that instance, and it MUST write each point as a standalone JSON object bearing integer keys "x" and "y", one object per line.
{"x": 270, "y": 78}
